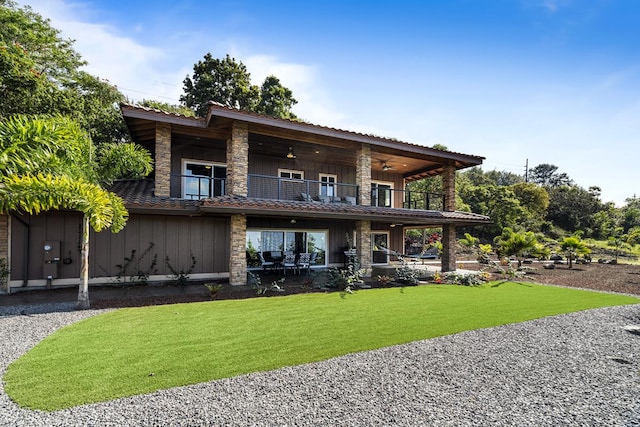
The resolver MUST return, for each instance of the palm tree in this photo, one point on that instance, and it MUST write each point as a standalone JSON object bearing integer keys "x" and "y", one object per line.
{"x": 516, "y": 244}
{"x": 573, "y": 246}
{"x": 49, "y": 163}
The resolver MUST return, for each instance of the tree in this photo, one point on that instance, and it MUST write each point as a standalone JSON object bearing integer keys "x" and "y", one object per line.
{"x": 220, "y": 80}
{"x": 534, "y": 200}
{"x": 40, "y": 73}
{"x": 574, "y": 246}
{"x": 49, "y": 163}
{"x": 573, "y": 208}
{"x": 547, "y": 175}
{"x": 515, "y": 244}
{"x": 275, "y": 99}
{"x": 228, "y": 82}
{"x": 497, "y": 202}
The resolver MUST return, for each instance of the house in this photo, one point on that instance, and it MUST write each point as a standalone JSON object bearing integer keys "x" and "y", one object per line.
{"x": 232, "y": 184}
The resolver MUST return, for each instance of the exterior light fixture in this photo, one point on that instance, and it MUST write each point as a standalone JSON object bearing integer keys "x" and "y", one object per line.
{"x": 290, "y": 154}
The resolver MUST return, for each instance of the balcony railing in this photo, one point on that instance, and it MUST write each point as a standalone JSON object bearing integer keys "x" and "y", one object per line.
{"x": 392, "y": 198}
{"x": 198, "y": 187}
{"x": 272, "y": 187}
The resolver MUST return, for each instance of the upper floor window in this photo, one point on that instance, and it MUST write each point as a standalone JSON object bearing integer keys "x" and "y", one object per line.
{"x": 290, "y": 174}
{"x": 381, "y": 194}
{"x": 328, "y": 184}
{"x": 202, "y": 180}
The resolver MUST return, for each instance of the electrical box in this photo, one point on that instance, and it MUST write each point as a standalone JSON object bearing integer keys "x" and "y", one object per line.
{"x": 51, "y": 259}
{"x": 52, "y": 251}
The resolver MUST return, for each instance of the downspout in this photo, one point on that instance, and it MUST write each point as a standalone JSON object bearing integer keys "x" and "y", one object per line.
{"x": 27, "y": 247}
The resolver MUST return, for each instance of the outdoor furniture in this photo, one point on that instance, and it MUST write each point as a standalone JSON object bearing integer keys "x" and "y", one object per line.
{"x": 304, "y": 262}
{"x": 289, "y": 263}
{"x": 349, "y": 200}
{"x": 264, "y": 263}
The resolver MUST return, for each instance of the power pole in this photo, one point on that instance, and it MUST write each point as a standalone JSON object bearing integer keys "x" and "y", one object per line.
{"x": 526, "y": 171}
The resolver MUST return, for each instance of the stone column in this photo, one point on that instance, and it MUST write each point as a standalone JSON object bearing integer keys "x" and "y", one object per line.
{"x": 449, "y": 188}
{"x": 363, "y": 174}
{"x": 4, "y": 247}
{"x": 448, "y": 248}
{"x": 238, "y": 160}
{"x": 449, "y": 230}
{"x": 363, "y": 245}
{"x": 238, "y": 258}
{"x": 163, "y": 160}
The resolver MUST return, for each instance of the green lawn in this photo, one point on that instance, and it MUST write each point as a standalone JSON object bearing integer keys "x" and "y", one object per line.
{"x": 139, "y": 350}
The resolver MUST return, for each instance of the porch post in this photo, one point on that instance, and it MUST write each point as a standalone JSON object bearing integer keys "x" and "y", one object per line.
{"x": 4, "y": 247}
{"x": 363, "y": 245}
{"x": 163, "y": 160}
{"x": 238, "y": 160}
{"x": 363, "y": 174}
{"x": 238, "y": 258}
{"x": 449, "y": 230}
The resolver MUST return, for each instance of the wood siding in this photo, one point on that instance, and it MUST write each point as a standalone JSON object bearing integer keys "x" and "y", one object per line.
{"x": 172, "y": 236}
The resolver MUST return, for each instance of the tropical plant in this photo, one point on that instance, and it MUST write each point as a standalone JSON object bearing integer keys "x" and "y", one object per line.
{"x": 213, "y": 288}
{"x": 49, "y": 163}
{"x": 511, "y": 243}
{"x": 41, "y": 73}
{"x": 574, "y": 246}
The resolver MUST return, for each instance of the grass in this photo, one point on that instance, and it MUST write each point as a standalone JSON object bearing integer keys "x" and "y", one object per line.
{"x": 140, "y": 350}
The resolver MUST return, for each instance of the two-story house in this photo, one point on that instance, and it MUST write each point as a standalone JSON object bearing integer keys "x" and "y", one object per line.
{"x": 234, "y": 184}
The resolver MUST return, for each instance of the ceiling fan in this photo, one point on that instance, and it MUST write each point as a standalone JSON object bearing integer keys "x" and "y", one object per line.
{"x": 386, "y": 167}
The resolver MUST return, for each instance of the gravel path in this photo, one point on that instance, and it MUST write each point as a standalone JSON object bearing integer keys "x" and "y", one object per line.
{"x": 577, "y": 369}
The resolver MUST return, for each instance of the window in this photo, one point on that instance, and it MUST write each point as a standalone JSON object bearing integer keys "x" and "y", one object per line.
{"x": 202, "y": 180}
{"x": 290, "y": 174}
{"x": 380, "y": 248}
{"x": 328, "y": 184}
{"x": 381, "y": 194}
{"x": 296, "y": 241}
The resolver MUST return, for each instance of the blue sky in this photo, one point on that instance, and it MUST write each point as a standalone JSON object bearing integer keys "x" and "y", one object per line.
{"x": 551, "y": 81}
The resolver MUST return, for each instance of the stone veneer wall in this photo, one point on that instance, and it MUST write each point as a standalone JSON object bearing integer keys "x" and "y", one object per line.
{"x": 238, "y": 258}
{"x": 163, "y": 160}
{"x": 363, "y": 174}
{"x": 237, "y": 176}
{"x": 449, "y": 230}
{"x": 238, "y": 160}
{"x": 448, "y": 247}
{"x": 4, "y": 245}
{"x": 363, "y": 243}
{"x": 449, "y": 188}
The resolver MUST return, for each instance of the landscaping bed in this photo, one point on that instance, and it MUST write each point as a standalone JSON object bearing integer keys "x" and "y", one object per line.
{"x": 622, "y": 278}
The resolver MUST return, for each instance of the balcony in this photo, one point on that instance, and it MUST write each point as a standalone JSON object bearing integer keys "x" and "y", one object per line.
{"x": 275, "y": 188}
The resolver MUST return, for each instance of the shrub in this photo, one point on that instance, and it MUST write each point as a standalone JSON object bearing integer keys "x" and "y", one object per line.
{"x": 181, "y": 277}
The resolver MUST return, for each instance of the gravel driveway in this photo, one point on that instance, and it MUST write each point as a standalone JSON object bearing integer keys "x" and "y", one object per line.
{"x": 577, "y": 369}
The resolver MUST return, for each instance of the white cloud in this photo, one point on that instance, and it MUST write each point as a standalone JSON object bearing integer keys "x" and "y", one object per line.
{"x": 139, "y": 71}
{"x": 314, "y": 104}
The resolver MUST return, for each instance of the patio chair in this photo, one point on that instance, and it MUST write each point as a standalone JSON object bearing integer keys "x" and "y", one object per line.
{"x": 289, "y": 263}
{"x": 304, "y": 262}
{"x": 312, "y": 260}
{"x": 264, "y": 263}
